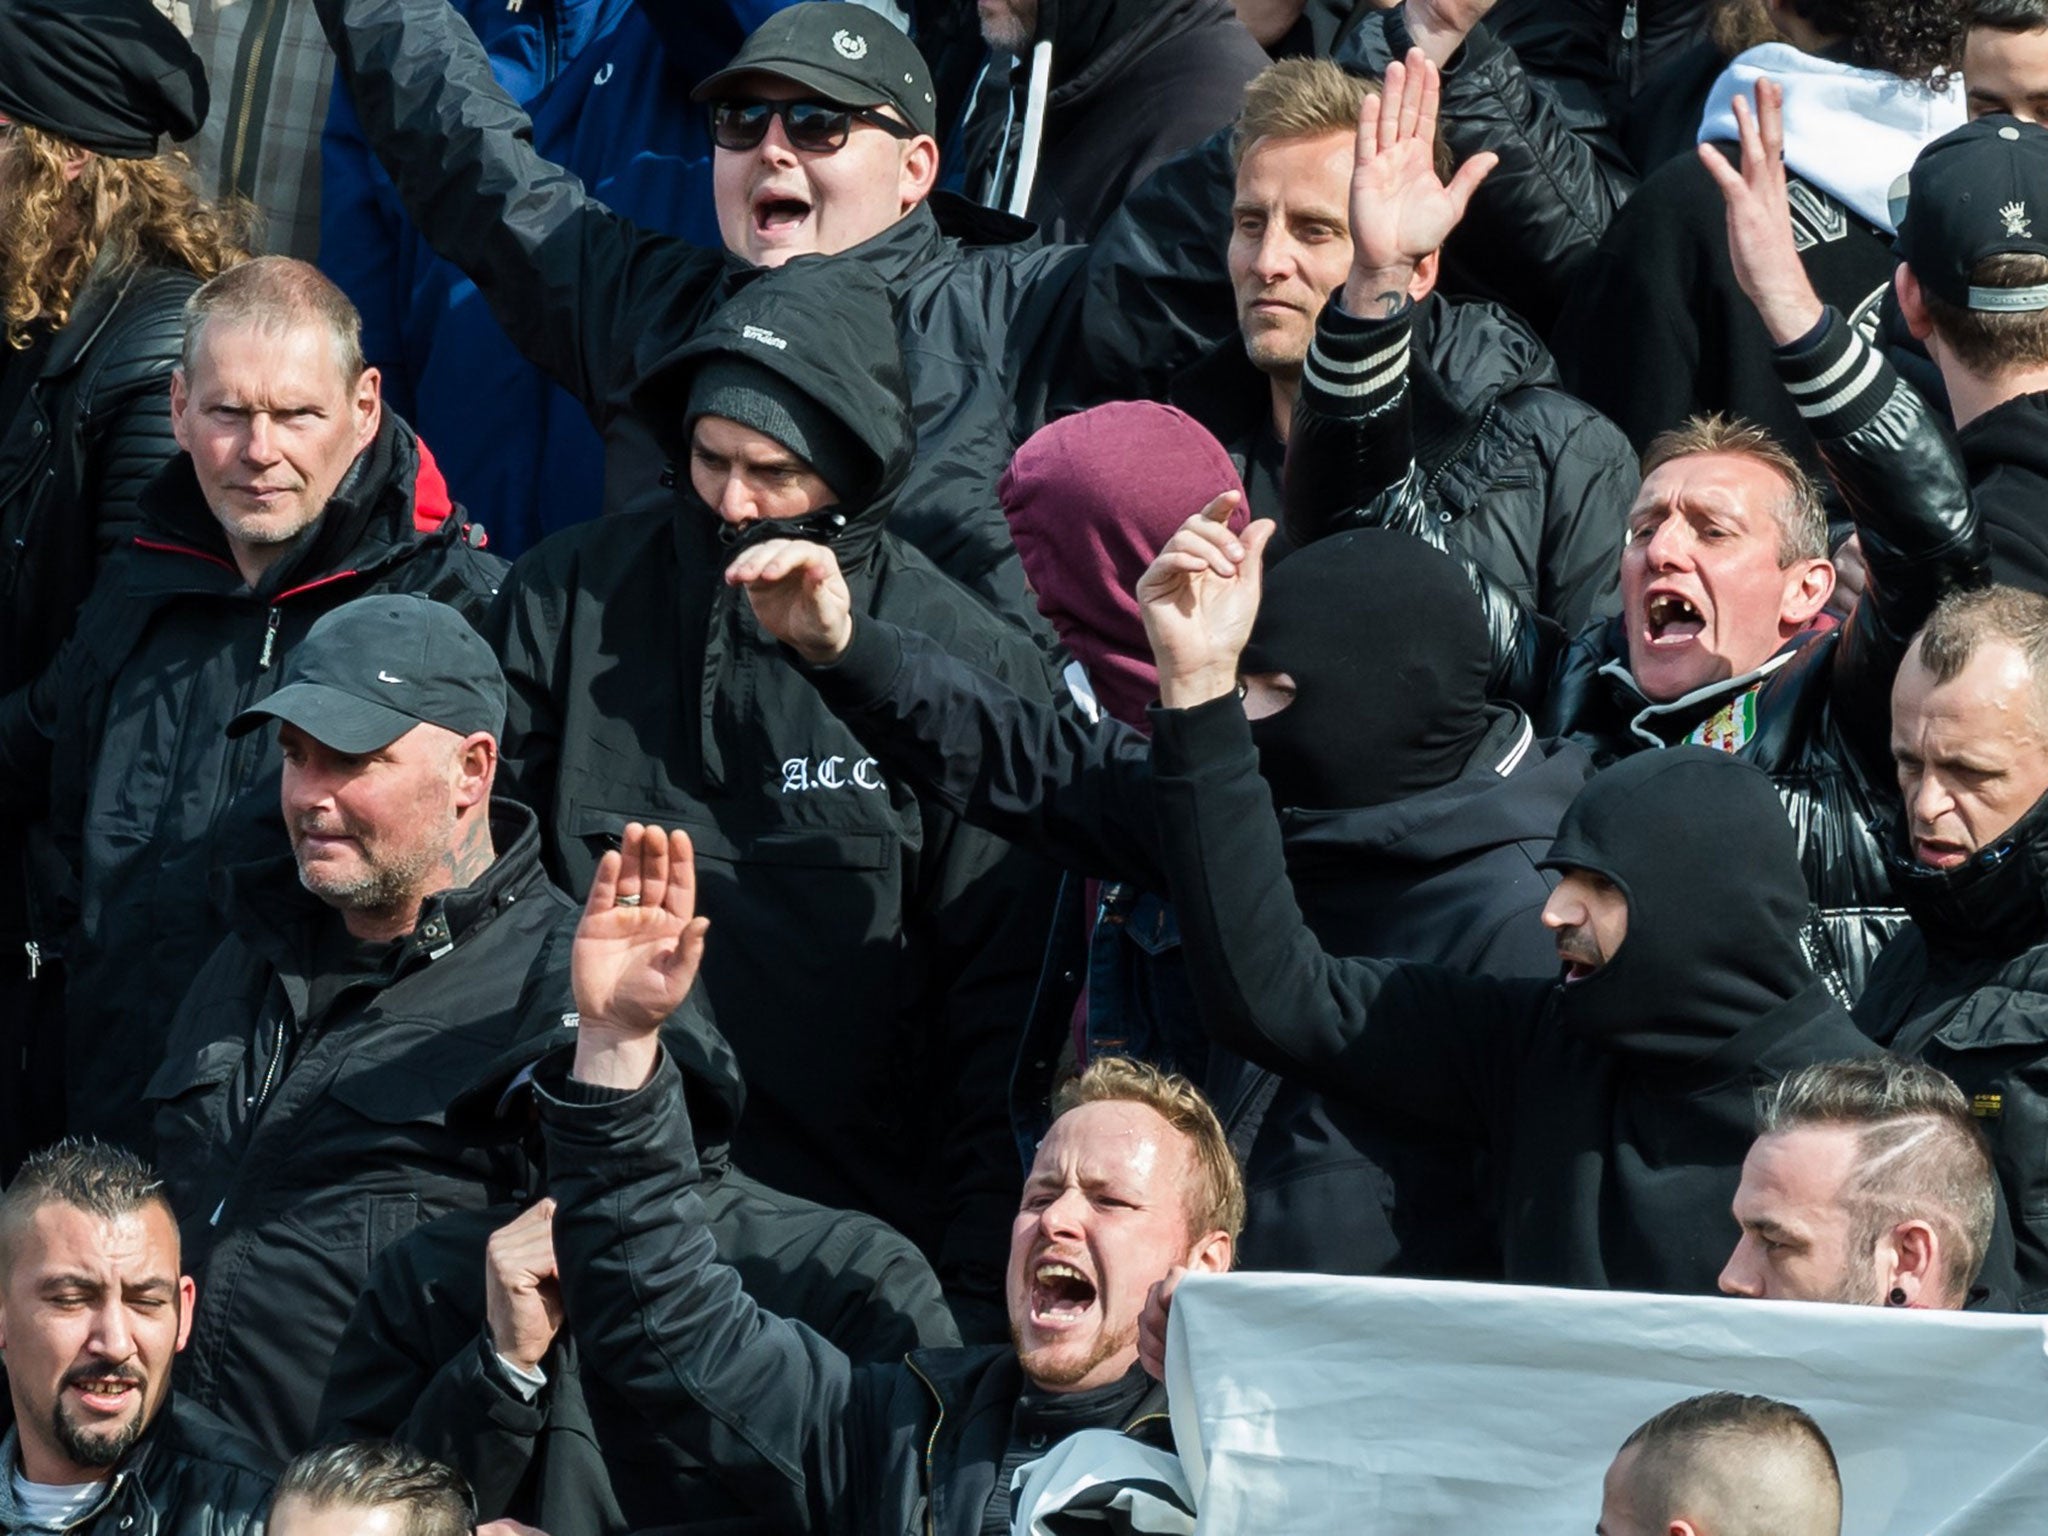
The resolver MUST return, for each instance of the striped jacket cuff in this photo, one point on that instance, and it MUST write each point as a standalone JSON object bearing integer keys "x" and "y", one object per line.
{"x": 1838, "y": 380}
{"x": 1358, "y": 368}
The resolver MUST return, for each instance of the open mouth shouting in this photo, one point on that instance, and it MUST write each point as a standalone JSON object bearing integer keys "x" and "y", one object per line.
{"x": 1671, "y": 621}
{"x": 779, "y": 215}
{"x": 1061, "y": 1296}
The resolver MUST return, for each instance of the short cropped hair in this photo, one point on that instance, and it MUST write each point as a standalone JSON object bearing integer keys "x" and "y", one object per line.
{"x": 1303, "y": 98}
{"x": 2008, "y": 15}
{"x": 1740, "y": 1466}
{"x": 275, "y": 294}
{"x": 1988, "y": 342}
{"x": 84, "y": 1173}
{"x": 1963, "y": 622}
{"x": 1920, "y": 1155}
{"x": 1802, "y": 516}
{"x": 377, "y": 1474}
{"x": 1217, "y": 1201}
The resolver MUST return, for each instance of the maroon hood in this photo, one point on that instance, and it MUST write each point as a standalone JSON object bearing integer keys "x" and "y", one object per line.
{"x": 1091, "y": 500}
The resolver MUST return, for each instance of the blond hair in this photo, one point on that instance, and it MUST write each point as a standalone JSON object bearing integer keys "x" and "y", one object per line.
{"x": 1302, "y": 98}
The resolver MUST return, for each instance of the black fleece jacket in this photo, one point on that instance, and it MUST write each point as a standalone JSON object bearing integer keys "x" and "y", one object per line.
{"x": 1615, "y": 1119}
{"x": 2005, "y": 454}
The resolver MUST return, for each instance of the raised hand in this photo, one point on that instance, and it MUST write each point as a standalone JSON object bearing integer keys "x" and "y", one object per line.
{"x": 1198, "y": 598}
{"x": 799, "y": 596}
{"x": 636, "y": 953}
{"x": 1440, "y": 27}
{"x": 522, "y": 1288}
{"x": 1760, "y": 242}
{"x": 1401, "y": 211}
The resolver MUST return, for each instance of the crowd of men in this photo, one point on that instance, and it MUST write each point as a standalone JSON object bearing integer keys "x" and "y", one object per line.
{"x": 721, "y": 721}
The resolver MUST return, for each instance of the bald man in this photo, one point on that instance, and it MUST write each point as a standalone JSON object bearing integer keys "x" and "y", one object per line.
{"x": 1724, "y": 1465}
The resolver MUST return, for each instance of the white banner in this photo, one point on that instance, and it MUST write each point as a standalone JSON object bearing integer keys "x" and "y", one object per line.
{"x": 1306, "y": 1403}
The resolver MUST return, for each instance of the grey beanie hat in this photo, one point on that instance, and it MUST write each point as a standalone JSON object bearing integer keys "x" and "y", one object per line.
{"x": 757, "y": 397}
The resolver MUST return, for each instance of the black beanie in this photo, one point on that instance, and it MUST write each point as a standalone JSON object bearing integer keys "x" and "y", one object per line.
{"x": 111, "y": 76}
{"x": 757, "y": 397}
{"x": 1387, "y": 646}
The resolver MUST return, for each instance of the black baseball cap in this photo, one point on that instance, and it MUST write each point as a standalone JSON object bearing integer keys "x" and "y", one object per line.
{"x": 373, "y": 669}
{"x": 1979, "y": 191}
{"x": 845, "y": 52}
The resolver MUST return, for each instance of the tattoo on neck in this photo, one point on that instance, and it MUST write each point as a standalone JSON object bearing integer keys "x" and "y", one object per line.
{"x": 472, "y": 853}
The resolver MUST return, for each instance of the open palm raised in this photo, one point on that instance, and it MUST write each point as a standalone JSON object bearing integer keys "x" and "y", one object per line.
{"x": 1401, "y": 210}
{"x": 640, "y": 940}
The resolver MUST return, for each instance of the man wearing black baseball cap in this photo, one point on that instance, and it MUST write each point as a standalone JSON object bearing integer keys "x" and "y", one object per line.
{"x": 407, "y": 939}
{"x": 824, "y": 125}
{"x": 1973, "y": 285}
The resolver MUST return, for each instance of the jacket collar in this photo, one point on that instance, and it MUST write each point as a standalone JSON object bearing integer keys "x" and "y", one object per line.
{"x": 277, "y": 916}
{"x": 130, "y": 1474}
{"x": 1689, "y": 709}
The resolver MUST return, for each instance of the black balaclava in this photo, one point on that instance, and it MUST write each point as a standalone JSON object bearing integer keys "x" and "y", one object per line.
{"x": 112, "y": 76}
{"x": 1699, "y": 843}
{"x": 1387, "y": 646}
{"x": 1993, "y": 902}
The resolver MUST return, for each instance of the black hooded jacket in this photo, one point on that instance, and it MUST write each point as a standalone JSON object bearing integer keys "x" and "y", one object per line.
{"x": 2005, "y": 454}
{"x": 1614, "y": 1111}
{"x": 875, "y": 953}
{"x": 302, "y": 1129}
{"x": 1445, "y": 874}
{"x": 1128, "y": 85}
{"x": 122, "y": 739}
{"x": 1530, "y": 483}
{"x": 416, "y": 1363}
{"x": 1965, "y": 989}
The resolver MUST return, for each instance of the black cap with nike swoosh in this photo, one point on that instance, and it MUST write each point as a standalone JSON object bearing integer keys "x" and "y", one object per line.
{"x": 373, "y": 669}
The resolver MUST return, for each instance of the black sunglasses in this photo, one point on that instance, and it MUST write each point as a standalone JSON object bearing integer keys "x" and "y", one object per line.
{"x": 816, "y": 127}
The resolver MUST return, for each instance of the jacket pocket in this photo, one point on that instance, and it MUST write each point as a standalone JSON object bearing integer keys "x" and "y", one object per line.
{"x": 599, "y": 829}
{"x": 183, "y": 1102}
{"x": 414, "y": 1071}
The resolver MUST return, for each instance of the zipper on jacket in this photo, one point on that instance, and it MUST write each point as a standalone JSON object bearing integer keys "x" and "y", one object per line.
{"x": 35, "y": 958}
{"x": 269, "y": 639}
{"x": 931, "y": 1518}
{"x": 1630, "y": 26}
{"x": 240, "y": 140}
{"x": 550, "y": 42}
{"x": 255, "y": 1105}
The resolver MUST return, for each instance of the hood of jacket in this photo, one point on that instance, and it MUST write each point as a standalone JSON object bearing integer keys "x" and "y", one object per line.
{"x": 1851, "y": 132}
{"x": 1698, "y": 843}
{"x": 2011, "y": 435}
{"x": 826, "y": 326}
{"x": 367, "y": 520}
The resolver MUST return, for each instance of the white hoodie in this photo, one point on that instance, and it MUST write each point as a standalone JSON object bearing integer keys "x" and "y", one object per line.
{"x": 1850, "y": 132}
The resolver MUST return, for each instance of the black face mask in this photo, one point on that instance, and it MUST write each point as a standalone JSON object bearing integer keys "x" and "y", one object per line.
{"x": 1993, "y": 902}
{"x": 1384, "y": 639}
{"x": 1699, "y": 844}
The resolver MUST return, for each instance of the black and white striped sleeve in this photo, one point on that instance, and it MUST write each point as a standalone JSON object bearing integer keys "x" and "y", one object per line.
{"x": 1837, "y": 380}
{"x": 1358, "y": 368}
{"x": 1351, "y": 451}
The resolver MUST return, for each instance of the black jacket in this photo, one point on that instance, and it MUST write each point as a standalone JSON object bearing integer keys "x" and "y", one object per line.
{"x": 416, "y": 1363}
{"x": 875, "y": 954}
{"x": 124, "y": 736}
{"x": 1818, "y": 714}
{"x": 1129, "y": 84}
{"x": 297, "y": 1145}
{"x": 1448, "y": 876}
{"x": 1615, "y": 1111}
{"x": 1965, "y": 988}
{"x": 1527, "y": 481}
{"x": 799, "y": 1433}
{"x": 996, "y": 329}
{"x": 188, "y": 1475}
{"x": 2005, "y": 452}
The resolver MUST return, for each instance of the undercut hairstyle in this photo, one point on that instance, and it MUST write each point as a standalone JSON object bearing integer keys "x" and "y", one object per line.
{"x": 1802, "y": 516}
{"x": 1985, "y": 342}
{"x": 1305, "y": 98}
{"x": 1964, "y": 621}
{"x": 1737, "y": 1466}
{"x": 1920, "y": 1154}
{"x": 378, "y": 1474}
{"x": 87, "y": 1174}
{"x": 1217, "y": 1201}
{"x": 278, "y": 294}
{"x": 2007, "y": 15}
{"x": 1918, "y": 40}
{"x": 114, "y": 214}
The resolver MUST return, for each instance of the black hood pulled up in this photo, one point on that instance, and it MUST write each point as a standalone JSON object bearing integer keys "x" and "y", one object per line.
{"x": 826, "y": 326}
{"x": 1994, "y": 902}
{"x": 1699, "y": 843}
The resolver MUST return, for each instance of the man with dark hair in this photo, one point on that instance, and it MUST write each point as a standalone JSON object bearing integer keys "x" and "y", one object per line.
{"x": 406, "y": 938}
{"x": 1966, "y": 986}
{"x": 1724, "y": 1465}
{"x": 1870, "y": 1183}
{"x": 295, "y": 492}
{"x": 370, "y": 1488}
{"x": 1135, "y": 1178}
{"x": 2005, "y": 59}
{"x": 93, "y": 1310}
{"x": 1973, "y": 287}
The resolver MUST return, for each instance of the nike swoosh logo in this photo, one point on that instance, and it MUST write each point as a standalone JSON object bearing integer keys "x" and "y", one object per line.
{"x": 386, "y": 677}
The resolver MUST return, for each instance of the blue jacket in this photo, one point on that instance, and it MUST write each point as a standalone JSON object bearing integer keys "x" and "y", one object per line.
{"x": 610, "y": 103}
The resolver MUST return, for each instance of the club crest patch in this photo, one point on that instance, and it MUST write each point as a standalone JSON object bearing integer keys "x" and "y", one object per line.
{"x": 1730, "y": 727}
{"x": 851, "y": 45}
